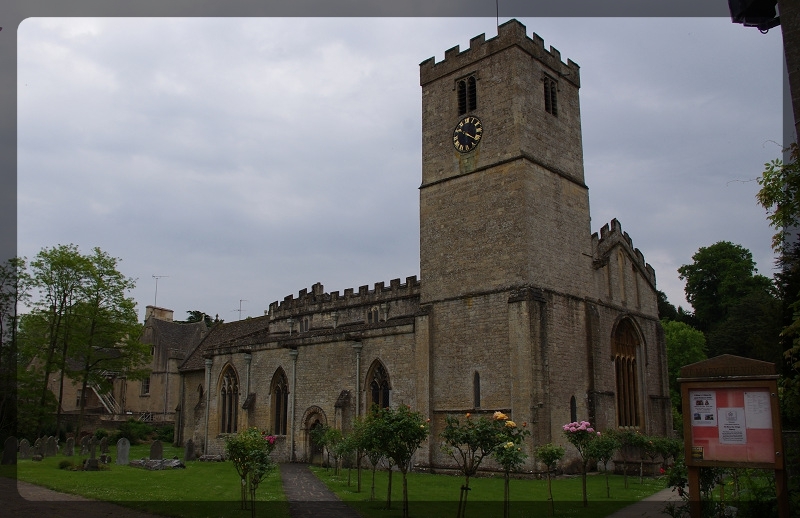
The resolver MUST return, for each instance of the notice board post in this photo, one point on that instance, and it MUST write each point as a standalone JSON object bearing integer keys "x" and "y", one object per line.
{"x": 731, "y": 419}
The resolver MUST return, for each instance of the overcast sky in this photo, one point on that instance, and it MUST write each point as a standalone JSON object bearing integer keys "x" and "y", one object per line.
{"x": 246, "y": 159}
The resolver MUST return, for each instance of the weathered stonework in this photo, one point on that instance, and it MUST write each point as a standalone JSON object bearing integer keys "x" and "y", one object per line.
{"x": 518, "y": 308}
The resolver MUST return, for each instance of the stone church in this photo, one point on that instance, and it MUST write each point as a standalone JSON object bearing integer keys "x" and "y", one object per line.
{"x": 518, "y": 307}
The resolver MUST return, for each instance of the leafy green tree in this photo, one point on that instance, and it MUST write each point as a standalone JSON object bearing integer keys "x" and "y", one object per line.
{"x": 549, "y": 455}
{"x": 333, "y": 437}
{"x": 685, "y": 345}
{"x": 371, "y": 437}
{"x": 469, "y": 442}
{"x": 407, "y": 430}
{"x": 199, "y": 316}
{"x": 249, "y": 450}
{"x": 734, "y": 306}
{"x": 602, "y": 448}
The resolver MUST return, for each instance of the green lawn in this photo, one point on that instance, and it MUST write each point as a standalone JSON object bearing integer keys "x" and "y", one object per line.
{"x": 437, "y": 495}
{"x": 203, "y": 489}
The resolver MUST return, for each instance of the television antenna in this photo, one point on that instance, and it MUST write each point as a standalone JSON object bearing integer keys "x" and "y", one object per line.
{"x": 240, "y": 308}
{"x": 155, "y": 299}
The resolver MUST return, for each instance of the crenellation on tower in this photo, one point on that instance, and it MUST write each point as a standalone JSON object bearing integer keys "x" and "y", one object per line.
{"x": 508, "y": 34}
{"x": 610, "y": 236}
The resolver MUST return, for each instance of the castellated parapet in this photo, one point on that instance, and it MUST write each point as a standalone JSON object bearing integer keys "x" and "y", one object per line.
{"x": 509, "y": 34}
{"x": 610, "y": 236}
{"x": 309, "y": 302}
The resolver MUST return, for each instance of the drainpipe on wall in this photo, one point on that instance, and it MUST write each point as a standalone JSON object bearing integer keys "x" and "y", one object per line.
{"x": 248, "y": 358}
{"x": 293, "y": 354}
{"x": 357, "y": 346}
{"x": 209, "y": 362}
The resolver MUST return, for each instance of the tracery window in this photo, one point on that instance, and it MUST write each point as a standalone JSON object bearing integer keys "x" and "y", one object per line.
{"x": 229, "y": 401}
{"x": 550, "y": 95}
{"x": 279, "y": 400}
{"x": 467, "y": 95}
{"x": 379, "y": 385}
{"x": 624, "y": 346}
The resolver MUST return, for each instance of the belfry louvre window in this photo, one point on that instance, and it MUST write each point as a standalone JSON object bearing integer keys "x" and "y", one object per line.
{"x": 280, "y": 402}
{"x": 379, "y": 385}
{"x": 229, "y": 401}
{"x": 467, "y": 95}
{"x": 550, "y": 95}
{"x": 624, "y": 345}
{"x": 373, "y": 315}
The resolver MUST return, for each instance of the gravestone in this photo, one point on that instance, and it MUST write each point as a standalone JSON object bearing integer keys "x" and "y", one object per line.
{"x": 24, "y": 449}
{"x": 85, "y": 445}
{"x": 188, "y": 451}
{"x": 104, "y": 445}
{"x": 10, "y": 451}
{"x": 156, "y": 450}
{"x": 50, "y": 447}
{"x": 37, "y": 447}
{"x": 69, "y": 449}
{"x": 123, "y": 450}
{"x": 91, "y": 463}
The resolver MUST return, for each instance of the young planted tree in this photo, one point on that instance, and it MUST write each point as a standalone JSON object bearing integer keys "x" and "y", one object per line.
{"x": 549, "y": 454}
{"x": 333, "y": 438}
{"x": 580, "y": 435}
{"x": 249, "y": 450}
{"x": 371, "y": 440}
{"x": 469, "y": 442}
{"x": 509, "y": 454}
{"x": 602, "y": 449}
{"x": 406, "y": 431}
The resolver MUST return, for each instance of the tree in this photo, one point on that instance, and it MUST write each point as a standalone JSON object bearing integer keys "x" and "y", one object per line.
{"x": 729, "y": 297}
{"x": 106, "y": 335}
{"x": 371, "y": 439}
{"x": 580, "y": 435}
{"x": 199, "y": 316}
{"x": 509, "y": 454}
{"x": 685, "y": 345}
{"x": 602, "y": 448}
{"x": 549, "y": 454}
{"x": 469, "y": 442}
{"x": 249, "y": 451}
{"x": 407, "y": 430}
{"x": 13, "y": 291}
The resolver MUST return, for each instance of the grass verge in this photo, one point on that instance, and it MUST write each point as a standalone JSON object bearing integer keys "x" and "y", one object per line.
{"x": 437, "y": 495}
{"x": 203, "y": 489}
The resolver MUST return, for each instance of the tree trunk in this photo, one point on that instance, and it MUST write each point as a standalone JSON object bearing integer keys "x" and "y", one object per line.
{"x": 550, "y": 495}
{"x": 405, "y": 496}
{"x": 389, "y": 492}
{"x": 372, "y": 491}
{"x": 583, "y": 486}
{"x": 506, "y": 497}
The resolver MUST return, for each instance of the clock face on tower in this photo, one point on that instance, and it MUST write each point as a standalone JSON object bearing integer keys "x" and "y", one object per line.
{"x": 467, "y": 134}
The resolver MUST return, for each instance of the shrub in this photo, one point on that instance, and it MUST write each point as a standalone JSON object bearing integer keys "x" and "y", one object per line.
{"x": 66, "y": 464}
{"x": 133, "y": 430}
{"x": 166, "y": 433}
{"x": 100, "y": 433}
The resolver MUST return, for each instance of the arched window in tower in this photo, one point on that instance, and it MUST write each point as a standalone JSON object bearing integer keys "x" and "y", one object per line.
{"x": 279, "y": 401}
{"x": 378, "y": 380}
{"x": 229, "y": 401}
{"x": 550, "y": 96}
{"x": 373, "y": 315}
{"x": 476, "y": 390}
{"x": 305, "y": 324}
{"x": 467, "y": 91}
{"x": 624, "y": 346}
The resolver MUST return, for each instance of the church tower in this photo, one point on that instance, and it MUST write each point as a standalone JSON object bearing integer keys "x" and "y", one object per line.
{"x": 503, "y": 201}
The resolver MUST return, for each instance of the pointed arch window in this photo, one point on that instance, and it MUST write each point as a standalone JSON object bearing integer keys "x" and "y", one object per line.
{"x": 466, "y": 89}
{"x": 279, "y": 400}
{"x": 625, "y": 344}
{"x": 550, "y": 96}
{"x": 229, "y": 401}
{"x": 379, "y": 386}
{"x": 373, "y": 315}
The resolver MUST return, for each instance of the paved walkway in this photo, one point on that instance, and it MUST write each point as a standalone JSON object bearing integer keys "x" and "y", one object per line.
{"x": 307, "y": 495}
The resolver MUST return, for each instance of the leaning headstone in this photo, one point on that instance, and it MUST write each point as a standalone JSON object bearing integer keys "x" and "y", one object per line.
{"x": 10, "y": 451}
{"x": 156, "y": 450}
{"x": 69, "y": 449}
{"x": 85, "y": 445}
{"x": 188, "y": 451}
{"x": 24, "y": 449}
{"x": 50, "y": 447}
{"x": 37, "y": 447}
{"x": 104, "y": 445}
{"x": 123, "y": 450}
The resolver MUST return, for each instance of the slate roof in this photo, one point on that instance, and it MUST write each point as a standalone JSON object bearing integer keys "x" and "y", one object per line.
{"x": 178, "y": 338}
{"x": 240, "y": 333}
